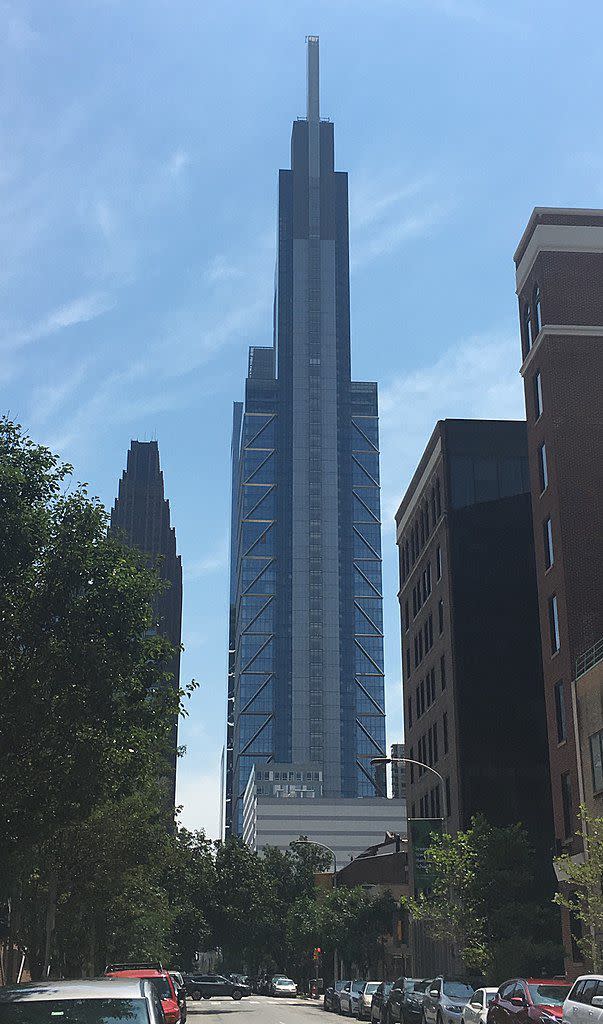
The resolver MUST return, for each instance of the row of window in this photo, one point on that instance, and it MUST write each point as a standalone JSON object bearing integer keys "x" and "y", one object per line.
{"x": 427, "y": 750}
{"x": 425, "y": 693}
{"x": 419, "y": 533}
{"x": 423, "y": 640}
{"x": 422, "y": 590}
{"x": 430, "y": 804}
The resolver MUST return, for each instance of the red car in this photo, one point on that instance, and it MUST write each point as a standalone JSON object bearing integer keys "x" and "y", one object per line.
{"x": 161, "y": 980}
{"x": 529, "y": 1001}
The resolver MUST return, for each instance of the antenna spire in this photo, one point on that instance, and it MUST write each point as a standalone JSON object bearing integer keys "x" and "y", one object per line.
{"x": 313, "y": 80}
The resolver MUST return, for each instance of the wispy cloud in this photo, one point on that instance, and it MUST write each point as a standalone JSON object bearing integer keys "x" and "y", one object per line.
{"x": 477, "y": 378}
{"x": 220, "y": 270}
{"x": 177, "y": 162}
{"x": 386, "y": 213}
{"x": 78, "y": 311}
{"x": 214, "y": 561}
{"x": 46, "y": 400}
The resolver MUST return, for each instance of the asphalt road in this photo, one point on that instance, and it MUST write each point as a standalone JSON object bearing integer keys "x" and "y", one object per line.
{"x": 257, "y": 1010}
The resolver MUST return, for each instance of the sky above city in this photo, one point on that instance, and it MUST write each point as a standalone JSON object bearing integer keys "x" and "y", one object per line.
{"x": 139, "y": 151}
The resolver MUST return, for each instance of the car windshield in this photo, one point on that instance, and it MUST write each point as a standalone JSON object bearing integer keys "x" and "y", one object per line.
{"x": 420, "y": 986}
{"x": 339, "y": 985}
{"x": 73, "y": 1011}
{"x": 371, "y": 987}
{"x": 357, "y": 986}
{"x": 284, "y": 981}
{"x": 162, "y": 987}
{"x": 456, "y": 990}
{"x": 549, "y": 995}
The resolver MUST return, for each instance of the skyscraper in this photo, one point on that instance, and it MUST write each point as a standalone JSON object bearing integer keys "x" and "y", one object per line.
{"x": 141, "y": 517}
{"x": 306, "y": 627}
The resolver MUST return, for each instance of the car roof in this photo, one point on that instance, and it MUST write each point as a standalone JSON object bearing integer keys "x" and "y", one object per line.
{"x": 546, "y": 981}
{"x": 86, "y": 988}
{"x": 590, "y": 977}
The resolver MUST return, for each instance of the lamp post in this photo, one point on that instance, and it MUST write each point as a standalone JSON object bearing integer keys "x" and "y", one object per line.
{"x": 312, "y": 842}
{"x": 428, "y": 768}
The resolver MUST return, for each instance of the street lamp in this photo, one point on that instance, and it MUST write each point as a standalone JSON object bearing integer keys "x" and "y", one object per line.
{"x": 312, "y": 842}
{"x": 410, "y": 760}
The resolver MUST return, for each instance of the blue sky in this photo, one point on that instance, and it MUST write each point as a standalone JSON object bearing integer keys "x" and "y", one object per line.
{"x": 139, "y": 151}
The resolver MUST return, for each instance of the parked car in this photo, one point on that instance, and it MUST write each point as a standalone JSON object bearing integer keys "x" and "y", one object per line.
{"x": 379, "y": 1002}
{"x": 204, "y": 986}
{"x": 444, "y": 1001}
{"x": 330, "y": 999}
{"x": 363, "y": 1010}
{"x": 281, "y": 986}
{"x": 476, "y": 1010}
{"x": 131, "y": 1000}
{"x": 154, "y": 972}
{"x": 520, "y": 1000}
{"x": 178, "y": 980}
{"x": 349, "y": 997}
{"x": 584, "y": 1003}
{"x": 405, "y": 1001}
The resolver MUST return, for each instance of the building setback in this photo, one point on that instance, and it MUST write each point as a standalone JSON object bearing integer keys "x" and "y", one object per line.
{"x": 473, "y": 693}
{"x": 559, "y": 270}
{"x": 141, "y": 517}
{"x": 306, "y": 626}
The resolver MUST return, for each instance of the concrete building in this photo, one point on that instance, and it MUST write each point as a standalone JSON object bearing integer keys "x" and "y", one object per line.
{"x": 470, "y": 637}
{"x": 347, "y": 826}
{"x": 306, "y": 678}
{"x": 559, "y": 276}
{"x": 398, "y": 750}
{"x": 141, "y": 517}
{"x": 588, "y": 698}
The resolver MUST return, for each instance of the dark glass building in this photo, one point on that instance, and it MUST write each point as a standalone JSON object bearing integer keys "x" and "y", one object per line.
{"x": 141, "y": 517}
{"x": 306, "y": 626}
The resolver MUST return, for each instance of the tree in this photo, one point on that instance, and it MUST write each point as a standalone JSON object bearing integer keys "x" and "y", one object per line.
{"x": 488, "y": 901}
{"x": 85, "y": 709}
{"x": 582, "y": 892}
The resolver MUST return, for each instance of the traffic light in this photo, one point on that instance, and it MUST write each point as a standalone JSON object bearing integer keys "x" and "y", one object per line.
{"x": 316, "y": 953}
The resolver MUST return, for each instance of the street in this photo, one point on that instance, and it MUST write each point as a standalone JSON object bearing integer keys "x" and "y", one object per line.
{"x": 258, "y": 1010}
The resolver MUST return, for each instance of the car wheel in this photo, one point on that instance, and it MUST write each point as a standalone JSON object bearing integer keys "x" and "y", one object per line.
{"x": 237, "y": 994}
{"x": 195, "y": 994}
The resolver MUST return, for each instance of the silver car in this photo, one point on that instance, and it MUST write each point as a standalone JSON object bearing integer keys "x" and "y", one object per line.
{"x": 280, "y": 986}
{"x": 584, "y": 1003}
{"x": 444, "y": 1001}
{"x": 102, "y": 1001}
{"x": 365, "y": 1000}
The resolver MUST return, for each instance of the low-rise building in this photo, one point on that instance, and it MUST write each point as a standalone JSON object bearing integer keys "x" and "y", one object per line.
{"x": 589, "y": 714}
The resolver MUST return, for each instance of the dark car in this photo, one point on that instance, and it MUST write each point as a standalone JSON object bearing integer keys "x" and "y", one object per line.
{"x": 331, "y": 997}
{"x": 524, "y": 1000}
{"x": 404, "y": 1004}
{"x": 379, "y": 1002}
{"x": 204, "y": 986}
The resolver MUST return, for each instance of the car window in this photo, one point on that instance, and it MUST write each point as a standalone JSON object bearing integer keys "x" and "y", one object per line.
{"x": 162, "y": 988}
{"x": 74, "y": 1011}
{"x": 490, "y": 996}
{"x": 576, "y": 992}
{"x": 599, "y": 991}
{"x": 420, "y": 986}
{"x": 478, "y": 997}
{"x": 456, "y": 990}
{"x": 589, "y": 990}
{"x": 506, "y": 989}
{"x": 371, "y": 987}
{"x": 399, "y": 983}
{"x": 549, "y": 995}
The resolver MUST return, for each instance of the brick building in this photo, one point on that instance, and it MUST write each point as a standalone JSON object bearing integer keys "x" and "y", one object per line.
{"x": 559, "y": 270}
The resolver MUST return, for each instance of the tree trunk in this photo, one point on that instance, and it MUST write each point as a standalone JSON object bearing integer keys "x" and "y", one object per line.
{"x": 51, "y": 908}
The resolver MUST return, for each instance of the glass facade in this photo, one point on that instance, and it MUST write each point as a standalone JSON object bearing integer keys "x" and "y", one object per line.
{"x": 306, "y": 628}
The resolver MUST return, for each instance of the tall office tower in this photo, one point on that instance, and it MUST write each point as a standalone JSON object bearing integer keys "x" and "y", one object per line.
{"x": 141, "y": 517}
{"x": 306, "y": 629}
{"x": 398, "y": 753}
{"x": 559, "y": 265}
{"x": 473, "y": 690}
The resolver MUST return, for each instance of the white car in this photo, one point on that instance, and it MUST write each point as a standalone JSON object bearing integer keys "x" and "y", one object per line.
{"x": 280, "y": 986}
{"x": 363, "y": 1010}
{"x": 444, "y": 1001}
{"x": 476, "y": 1010}
{"x": 349, "y": 998}
{"x": 584, "y": 1004}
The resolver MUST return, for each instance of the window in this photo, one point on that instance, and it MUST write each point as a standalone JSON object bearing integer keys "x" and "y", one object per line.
{"x": 408, "y": 662}
{"x": 406, "y": 617}
{"x": 413, "y": 811}
{"x": 536, "y": 317}
{"x": 567, "y": 803}
{"x": 438, "y": 563}
{"x": 441, "y": 616}
{"x": 443, "y": 671}
{"x": 410, "y": 713}
{"x": 412, "y": 767}
{"x": 438, "y": 500}
{"x": 596, "y": 757}
{"x": 560, "y": 712}
{"x": 543, "y": 468}
{"x": 447, "y": 793}
{"x": 537, "y": 384}
{"x": 547, "y": 530}
{"x": 445, "y": 732}
{"x": 526, "y": 325}
{"x": 554, "y": 624}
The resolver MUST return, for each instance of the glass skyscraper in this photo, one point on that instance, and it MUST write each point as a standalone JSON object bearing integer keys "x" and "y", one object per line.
{"x": 306, "y": 680}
